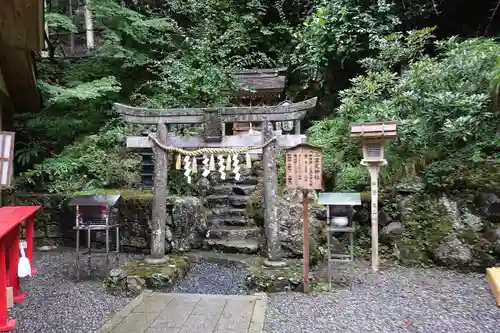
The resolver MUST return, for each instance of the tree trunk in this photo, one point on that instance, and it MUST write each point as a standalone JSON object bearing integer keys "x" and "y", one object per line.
{"x": 71, "y": 34}
{"x": 89, "y": 27}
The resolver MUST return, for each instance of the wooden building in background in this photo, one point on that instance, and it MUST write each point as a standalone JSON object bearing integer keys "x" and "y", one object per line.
{"x": 258, "y": 87}
{"x": 21, "y": 39}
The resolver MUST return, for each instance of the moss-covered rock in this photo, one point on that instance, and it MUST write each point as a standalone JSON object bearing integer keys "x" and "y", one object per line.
{"x": 188, "y": 223}
{"x": 457, "y": 231}
{"x": 273, "y": 280}
{"x": 255, "y": 206}
{"x": 135, "y": 274}
{"x": 425, "y": 225}
{"x": 290, "y": 212}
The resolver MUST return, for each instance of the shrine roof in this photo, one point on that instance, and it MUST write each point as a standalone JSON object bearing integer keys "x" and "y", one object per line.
{"x": 261, "y": 82}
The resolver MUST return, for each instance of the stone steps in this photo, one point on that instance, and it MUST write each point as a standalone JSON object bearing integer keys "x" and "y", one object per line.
{"x": 230, "y": 221}
{"x": 223, "y": 200}
{"x": 230, "y": 189}
{"x": 234, "y": 233}
{"x": 247, "y": 246}
{"x": 224, "y": 212}
{"x": 244, "y": 179}
{"x": 230, "y": 230}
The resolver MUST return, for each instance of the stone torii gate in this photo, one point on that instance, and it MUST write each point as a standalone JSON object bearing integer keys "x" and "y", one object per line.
{"x": 214, "y": 120}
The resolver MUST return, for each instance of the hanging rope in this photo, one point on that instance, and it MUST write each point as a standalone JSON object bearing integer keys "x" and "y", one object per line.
{"x": 202, "y": 151}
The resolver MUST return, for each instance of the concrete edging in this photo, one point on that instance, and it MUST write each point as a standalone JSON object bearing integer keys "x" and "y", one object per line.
{"x": 120, "y": 315}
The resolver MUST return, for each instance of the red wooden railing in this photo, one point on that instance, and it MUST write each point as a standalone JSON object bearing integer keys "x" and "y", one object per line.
{"x": 11, "y": 219}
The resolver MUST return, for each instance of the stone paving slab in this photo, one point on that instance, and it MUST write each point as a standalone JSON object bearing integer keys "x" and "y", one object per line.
{"x": 190, "y": 313}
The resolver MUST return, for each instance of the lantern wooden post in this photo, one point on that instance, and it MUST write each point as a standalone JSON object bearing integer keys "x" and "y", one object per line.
{"x": 373, "y": 136}
{"x": 303, "y": 170}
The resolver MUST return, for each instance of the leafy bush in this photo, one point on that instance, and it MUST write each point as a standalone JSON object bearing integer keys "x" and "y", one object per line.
{"x": 339, "y": 31}
{"x": 443, "y": 106}
{"x": 96, "y": 161}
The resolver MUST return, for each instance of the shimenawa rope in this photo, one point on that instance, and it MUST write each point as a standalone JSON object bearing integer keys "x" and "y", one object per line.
{"x": 202, "y": 151}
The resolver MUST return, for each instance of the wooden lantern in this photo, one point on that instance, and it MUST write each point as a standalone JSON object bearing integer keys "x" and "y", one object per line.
{"x": 373, "y": 136}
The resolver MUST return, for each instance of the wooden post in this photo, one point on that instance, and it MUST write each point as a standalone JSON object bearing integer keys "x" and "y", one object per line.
{"x": 305, "y": 243}
{"x": 18, "y": 295}
{"x": 374, "y": 170}
{"x": 1, "y": 129}
{"x": 297, "y": 126}
{"x": 6, "y": 324}
{"x": 271, "y": 220}
{"x": 303, "y": 170}
{"x": 160, "y": 192}
{"x": 30, "y": 242}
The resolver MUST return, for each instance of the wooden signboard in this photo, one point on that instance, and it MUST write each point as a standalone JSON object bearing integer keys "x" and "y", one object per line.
{"x": 303, "y": 170}
{"x": 304, "y": 167}
{"x": 6, "y": 156}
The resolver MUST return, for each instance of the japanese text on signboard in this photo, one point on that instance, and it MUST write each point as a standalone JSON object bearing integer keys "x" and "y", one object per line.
{"x": 304, "y": 167}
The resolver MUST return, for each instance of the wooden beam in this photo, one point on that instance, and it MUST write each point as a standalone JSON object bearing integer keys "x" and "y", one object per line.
{"x": 3, "y": 86}
{"x": 261, "y": 71}
{"x": 21, "y": 24}
{"x": 228, "y": 114}
{"x": 18, "y": 72}
{"x": 231, "y": 141}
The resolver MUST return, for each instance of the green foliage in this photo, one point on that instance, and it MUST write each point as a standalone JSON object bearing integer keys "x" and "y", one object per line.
{"x": 246, "y": 34}
{"x": 175, "y": 54}
{"x": 495, "y": 84}
{"x": 341, "y": 30}
{"x": 443, "y": 106}
{"x": 59, "y": 22}
{"x": 96, "y": 161}
{"x": 255, "y": 207}
{"x": 186, "y": 82}
{"x": 87, "y": 91}
{"x": 182, "y": 53}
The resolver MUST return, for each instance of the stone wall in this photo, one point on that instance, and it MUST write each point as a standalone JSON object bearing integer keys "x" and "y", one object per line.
{"x": 416, "y": 228}
{"x": 54, "y": 223}
{"x": 459, "y": 230}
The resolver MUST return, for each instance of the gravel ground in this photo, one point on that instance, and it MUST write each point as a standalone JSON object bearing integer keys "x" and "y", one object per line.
{"x": 209, "y": 278}
{"x": 57, "y": 304}
{"x": 394, "y": 300}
